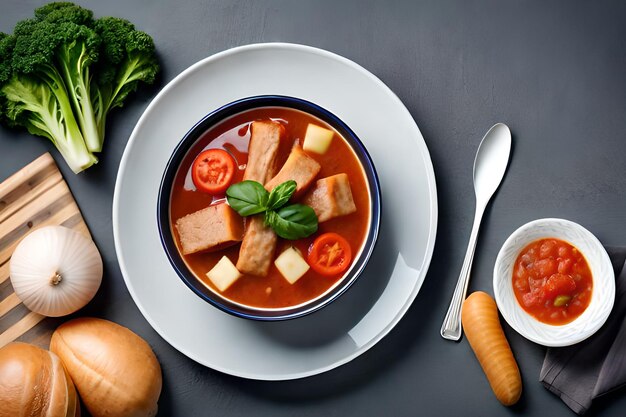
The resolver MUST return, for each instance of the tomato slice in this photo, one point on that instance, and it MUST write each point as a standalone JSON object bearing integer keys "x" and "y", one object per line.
{"x": 213, "y": 171}
{"x": 330, "y": 254}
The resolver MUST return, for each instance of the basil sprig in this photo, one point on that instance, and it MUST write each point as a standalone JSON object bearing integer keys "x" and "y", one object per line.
{"x": 291, "y": 222}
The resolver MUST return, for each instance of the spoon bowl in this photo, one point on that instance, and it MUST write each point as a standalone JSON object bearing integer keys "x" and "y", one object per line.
{"x": 491, "y": 161}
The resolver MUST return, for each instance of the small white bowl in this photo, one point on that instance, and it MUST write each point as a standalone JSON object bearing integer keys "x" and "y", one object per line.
{"x": 603, "y": 294}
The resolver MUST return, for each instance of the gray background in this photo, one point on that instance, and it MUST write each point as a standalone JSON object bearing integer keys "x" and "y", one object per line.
{"x": 555, "y": 72}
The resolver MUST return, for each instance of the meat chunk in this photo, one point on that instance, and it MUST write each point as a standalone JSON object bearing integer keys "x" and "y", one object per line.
{"x": 331, "y": 197}
{"x": 259, "y": 242}
{"x": 299, "y": 167}
{"x": 211, "y": 228}
{"x": 263, "y": 150}
{"x": 257, "y": 249}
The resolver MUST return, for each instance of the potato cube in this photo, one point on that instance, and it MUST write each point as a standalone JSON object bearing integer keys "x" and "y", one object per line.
{"x": 317, "y": 139}
{"x": 291, "y": 265}
{"x": 224, "y": 274}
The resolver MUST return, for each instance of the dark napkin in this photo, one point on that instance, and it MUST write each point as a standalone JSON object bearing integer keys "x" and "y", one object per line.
{"x": 582, "y": 372}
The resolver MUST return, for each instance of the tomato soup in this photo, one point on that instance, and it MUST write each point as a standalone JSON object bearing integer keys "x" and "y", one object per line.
{"x": 234, "y": 136}
{"x": 552, "y": 281}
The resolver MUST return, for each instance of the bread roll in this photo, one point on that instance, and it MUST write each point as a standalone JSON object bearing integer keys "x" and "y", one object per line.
{"x": 114, "y": 370}
{"x": 34, "y": 383}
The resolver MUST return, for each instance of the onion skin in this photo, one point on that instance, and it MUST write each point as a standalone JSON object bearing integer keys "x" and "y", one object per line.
{"x": 481, "y": 325}
{"x": 34, "y": 383}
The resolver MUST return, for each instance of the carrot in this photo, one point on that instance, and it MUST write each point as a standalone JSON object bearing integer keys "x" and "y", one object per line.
{"x": 484, "y": 334}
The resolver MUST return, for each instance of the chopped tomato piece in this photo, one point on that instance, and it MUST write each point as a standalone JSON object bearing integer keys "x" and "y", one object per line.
{"x": 212, "y": 171}
{"x": 545, "y": 268}
{"x": 559, "y": 284}
{"x": 531, "y": 299}
{"x": 330, "y": 254}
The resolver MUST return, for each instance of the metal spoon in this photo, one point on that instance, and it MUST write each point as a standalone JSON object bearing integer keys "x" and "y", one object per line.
{"x": 490, "y": 165}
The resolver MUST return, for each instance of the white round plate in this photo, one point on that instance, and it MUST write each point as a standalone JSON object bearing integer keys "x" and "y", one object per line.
{"x": 395, "y": 273}
{"x": 602, "y": 296}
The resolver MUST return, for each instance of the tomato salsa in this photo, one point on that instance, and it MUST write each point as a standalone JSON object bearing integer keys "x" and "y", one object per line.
{"x": 552, "y": 281}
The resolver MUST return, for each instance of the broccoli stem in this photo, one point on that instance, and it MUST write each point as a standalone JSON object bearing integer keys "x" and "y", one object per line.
{"x": 100, "y": 108}
{"x": 77, "y": 78}
{"x": 49, "y": 114}
{"x": 106, "y": 99}
{"x": 69, "y": 139}
{"x": 129, "y": 75}
{"x": 73, "y": 149}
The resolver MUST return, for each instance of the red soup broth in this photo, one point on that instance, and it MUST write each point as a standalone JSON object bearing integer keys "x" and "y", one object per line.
{"x": 552, "y": 281}
{"x": 233, "y": 135}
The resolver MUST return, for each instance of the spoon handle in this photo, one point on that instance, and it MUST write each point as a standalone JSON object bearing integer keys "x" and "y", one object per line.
{"x": 451, "y": 328}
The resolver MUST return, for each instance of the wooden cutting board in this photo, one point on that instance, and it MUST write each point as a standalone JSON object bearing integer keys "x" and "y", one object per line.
{"x": 33, "y": 197}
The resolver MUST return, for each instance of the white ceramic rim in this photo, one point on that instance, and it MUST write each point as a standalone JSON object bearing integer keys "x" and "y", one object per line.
{"x": 596, "y": 314}
{"x": 432, "y": 195}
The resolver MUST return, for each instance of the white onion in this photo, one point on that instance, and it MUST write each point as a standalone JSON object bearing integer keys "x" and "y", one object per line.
{"x": 55, "y": 271}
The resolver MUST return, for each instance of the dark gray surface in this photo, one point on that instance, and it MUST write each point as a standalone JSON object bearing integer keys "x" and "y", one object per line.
{"x": 555, "y": 73}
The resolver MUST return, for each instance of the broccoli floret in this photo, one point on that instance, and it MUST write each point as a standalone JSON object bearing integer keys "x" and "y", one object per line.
{"x": 63, "y": 30}
{"x": 7, "y": 44}
{"x": 38, "y": 101}
{"x": 59, "y": 12}
{"x": 127, "y": 58}
{"x": 33, "y": 95}
{"x": 67, "y": 49}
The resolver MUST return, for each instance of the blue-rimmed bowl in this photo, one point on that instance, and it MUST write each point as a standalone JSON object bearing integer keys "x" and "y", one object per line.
{"x": 207, "y": 293}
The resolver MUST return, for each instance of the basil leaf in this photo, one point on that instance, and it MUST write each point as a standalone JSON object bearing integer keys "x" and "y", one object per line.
{"x": 281, "y": 194}
{"x": 247, "y": 197}
{"x": 292, "y": 222}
